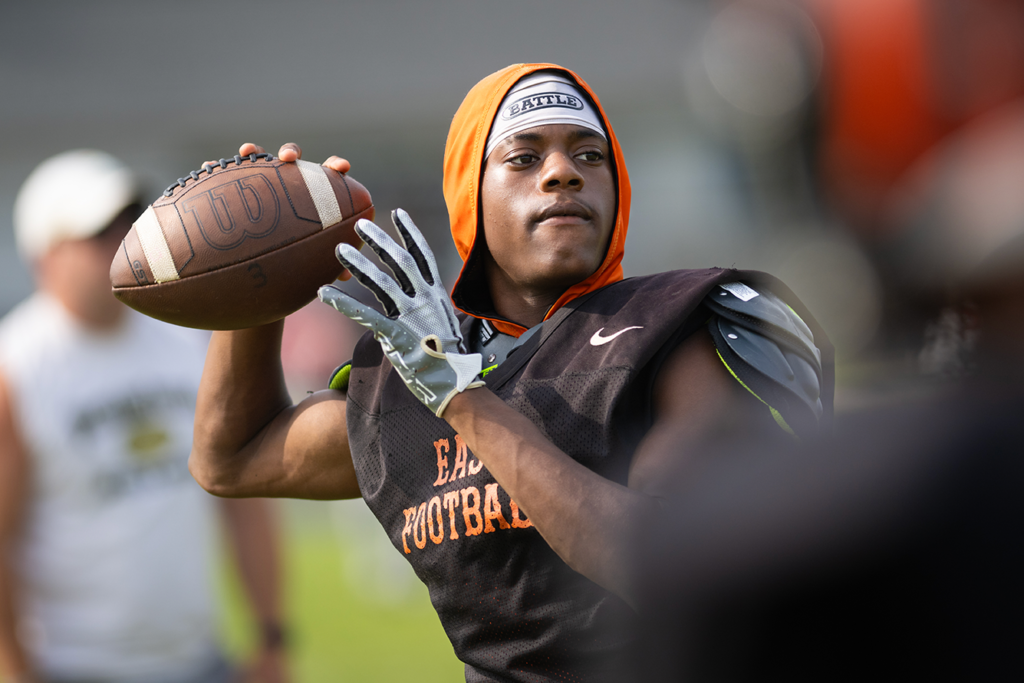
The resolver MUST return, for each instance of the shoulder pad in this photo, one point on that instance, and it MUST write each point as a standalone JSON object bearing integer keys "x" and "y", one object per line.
{"x": 767, "y": 347}
{"x": 339, "y": 378}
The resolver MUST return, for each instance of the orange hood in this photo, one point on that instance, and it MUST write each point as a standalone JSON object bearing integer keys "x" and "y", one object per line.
{"x": 463, "y": 164}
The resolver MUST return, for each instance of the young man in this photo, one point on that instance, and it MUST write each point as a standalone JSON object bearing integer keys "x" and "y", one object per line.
{"x": 512, "y": 495}
{"x": 104, "y": 563}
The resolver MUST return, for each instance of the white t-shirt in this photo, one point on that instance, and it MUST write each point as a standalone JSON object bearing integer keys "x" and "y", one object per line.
{"x": 115, "y": 557}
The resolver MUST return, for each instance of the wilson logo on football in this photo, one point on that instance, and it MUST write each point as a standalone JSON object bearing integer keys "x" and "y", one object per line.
{"x": 220, "y": 227}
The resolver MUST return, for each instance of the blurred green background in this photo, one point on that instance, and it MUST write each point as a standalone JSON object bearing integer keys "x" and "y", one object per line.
{"x": 356, "y": 611}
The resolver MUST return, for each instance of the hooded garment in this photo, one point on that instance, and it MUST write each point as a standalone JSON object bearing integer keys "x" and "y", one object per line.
{"x": 463, "y": 168}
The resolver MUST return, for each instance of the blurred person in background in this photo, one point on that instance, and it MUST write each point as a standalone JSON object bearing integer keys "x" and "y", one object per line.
{"x": 825, "y": 108}
{"x": 900, "y": 79}
{"x": 105, "y": 539}
{"x": 892, "y": 550}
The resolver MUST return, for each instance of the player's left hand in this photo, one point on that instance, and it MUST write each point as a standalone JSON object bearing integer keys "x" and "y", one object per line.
{"x": 419, "y": 333}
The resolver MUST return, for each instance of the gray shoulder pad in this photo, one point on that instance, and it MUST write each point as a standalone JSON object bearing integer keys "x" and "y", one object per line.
{"x": 767, "y": 347}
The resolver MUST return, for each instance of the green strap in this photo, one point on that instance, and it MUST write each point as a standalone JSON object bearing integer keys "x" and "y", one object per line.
{"x": 339, "y": 378}
{"x": 775, "y": 414}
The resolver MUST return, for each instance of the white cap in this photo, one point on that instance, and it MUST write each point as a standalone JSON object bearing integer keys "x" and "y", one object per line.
{"x": 74, "y": 195}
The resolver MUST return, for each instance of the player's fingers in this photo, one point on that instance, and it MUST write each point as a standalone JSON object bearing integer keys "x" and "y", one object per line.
{"x": 356, "y": 311}
{"x": 249, "y": 148}
{"x": 389, "y": 252}
{"x": 385, "y": 289}
{"x": 338, "y": 164}
{"x": 289, "y": 152}
{"x": 416, "y": 245}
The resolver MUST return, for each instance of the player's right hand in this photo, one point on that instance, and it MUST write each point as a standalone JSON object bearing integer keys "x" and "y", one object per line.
{"x": 290, "y": 151}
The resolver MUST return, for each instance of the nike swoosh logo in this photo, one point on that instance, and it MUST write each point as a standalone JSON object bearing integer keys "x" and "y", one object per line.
{"x": 598, "y": 340}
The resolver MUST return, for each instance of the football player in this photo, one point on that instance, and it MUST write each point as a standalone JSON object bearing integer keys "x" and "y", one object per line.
{"x": 507, "y": 436}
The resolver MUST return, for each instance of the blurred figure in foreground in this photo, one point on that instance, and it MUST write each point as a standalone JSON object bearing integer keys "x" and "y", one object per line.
{"x": 104, "y": 537}
{"x": 891, "y": 550}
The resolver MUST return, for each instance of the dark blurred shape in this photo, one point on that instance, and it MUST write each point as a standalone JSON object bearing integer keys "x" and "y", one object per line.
{"x": 891, "y": 549}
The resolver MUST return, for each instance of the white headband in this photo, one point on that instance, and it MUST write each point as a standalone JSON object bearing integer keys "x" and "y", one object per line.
{"x": 542, "y": 99}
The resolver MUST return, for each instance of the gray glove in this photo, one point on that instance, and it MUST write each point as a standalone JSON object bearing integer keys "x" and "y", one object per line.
{"x": 419, "y": 333}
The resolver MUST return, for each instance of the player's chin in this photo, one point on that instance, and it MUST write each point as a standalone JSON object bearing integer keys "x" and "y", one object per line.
{"x": 574, "y": 250}
{"x": 563, "y": 269}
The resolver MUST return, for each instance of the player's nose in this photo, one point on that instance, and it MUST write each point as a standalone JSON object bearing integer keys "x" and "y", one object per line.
{"x": 560, "y": 171}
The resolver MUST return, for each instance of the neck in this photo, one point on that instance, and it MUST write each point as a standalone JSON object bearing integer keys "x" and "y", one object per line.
{"x": 525, "y": 306}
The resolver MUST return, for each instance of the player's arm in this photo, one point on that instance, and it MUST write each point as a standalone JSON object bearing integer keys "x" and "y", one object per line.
{"x": 14, "y": 488}
{"x": 251, "y": 530}
{"x": 587, "y": 519}
{"x": 249, "y": 439}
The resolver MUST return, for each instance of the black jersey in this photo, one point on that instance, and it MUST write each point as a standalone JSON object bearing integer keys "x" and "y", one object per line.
{"x": 514, "y": 611}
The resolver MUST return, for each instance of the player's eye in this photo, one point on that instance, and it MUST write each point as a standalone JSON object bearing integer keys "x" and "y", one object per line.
{"x": 591, "y": 155}
{"x": 521, "y": 159}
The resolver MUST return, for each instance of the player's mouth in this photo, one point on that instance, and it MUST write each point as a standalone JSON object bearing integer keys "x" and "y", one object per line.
{"x": 563, "y": 213}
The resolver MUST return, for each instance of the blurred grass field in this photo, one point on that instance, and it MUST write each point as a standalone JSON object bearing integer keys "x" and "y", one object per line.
{"x": 355, "y": 610}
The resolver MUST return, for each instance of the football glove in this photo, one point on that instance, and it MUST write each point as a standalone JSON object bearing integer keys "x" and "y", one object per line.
{"x": 418, "y": 331}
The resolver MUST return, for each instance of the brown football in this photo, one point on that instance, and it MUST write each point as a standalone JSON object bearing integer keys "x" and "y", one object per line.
{"x": 241, "y": 242}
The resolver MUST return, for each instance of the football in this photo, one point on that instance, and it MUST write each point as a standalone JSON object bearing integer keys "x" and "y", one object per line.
{"x": 239, "y": 243}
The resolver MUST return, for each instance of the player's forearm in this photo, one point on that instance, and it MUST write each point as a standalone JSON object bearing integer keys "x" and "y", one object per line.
{"x": 241, "y": 392}
{"x": 584, "y": 517}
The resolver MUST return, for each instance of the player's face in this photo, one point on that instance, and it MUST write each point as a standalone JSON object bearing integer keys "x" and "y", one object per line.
{"x": 548, "y": 200}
